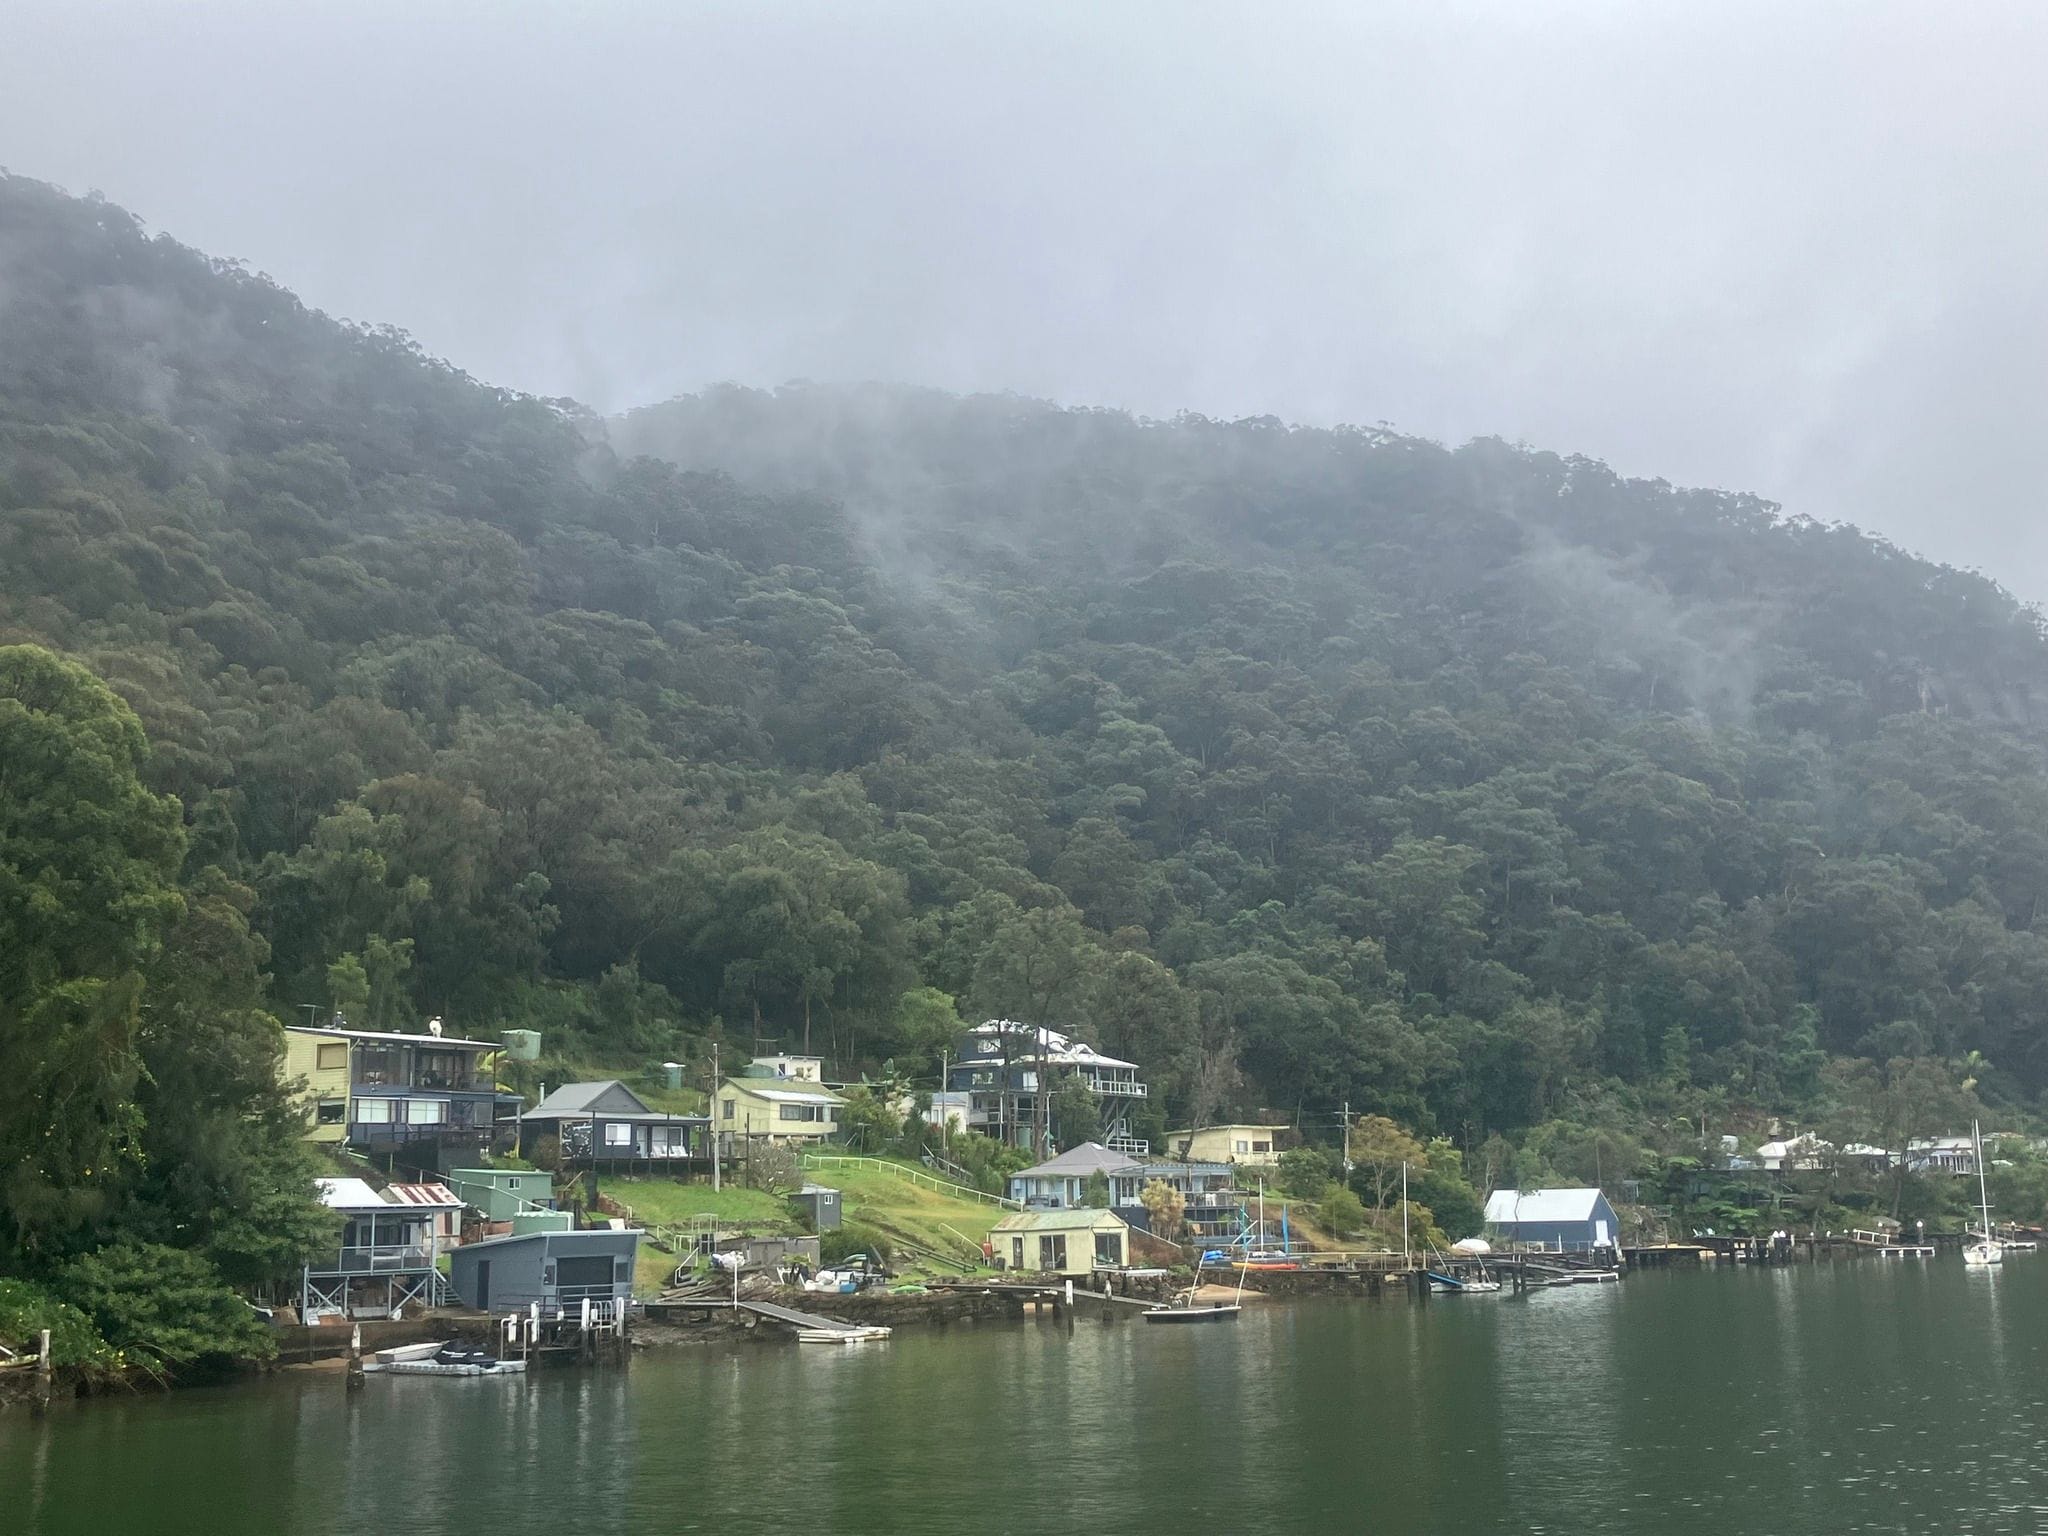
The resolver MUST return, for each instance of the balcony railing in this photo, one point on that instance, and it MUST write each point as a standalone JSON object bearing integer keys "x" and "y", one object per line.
{"x": 376, "y": 1259}
{"x": 1116, "y": 1087}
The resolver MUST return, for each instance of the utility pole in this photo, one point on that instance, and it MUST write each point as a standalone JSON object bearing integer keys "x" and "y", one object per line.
{"x": 945, "y": 1071}
{"x": 1347, "y": 1141}
{"x": 714, "y": 1115}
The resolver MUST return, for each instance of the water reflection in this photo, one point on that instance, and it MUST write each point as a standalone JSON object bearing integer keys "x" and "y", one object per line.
{"x": 1859, "y": 1396}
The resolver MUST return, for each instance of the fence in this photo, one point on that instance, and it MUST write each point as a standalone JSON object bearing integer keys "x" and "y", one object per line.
{"x": 913, "y": 1175}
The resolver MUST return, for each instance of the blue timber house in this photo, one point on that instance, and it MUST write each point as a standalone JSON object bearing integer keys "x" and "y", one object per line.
{"x": 608, "y": 1123}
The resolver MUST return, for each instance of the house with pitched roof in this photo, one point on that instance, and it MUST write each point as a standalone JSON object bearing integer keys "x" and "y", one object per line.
{"x": 609, "y": 1123}
{"x": 1566, "y": 1220}
{"x": 775, "y": 1109}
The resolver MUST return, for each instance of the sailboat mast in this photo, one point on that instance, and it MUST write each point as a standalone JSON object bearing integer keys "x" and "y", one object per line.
{"x": 1983, "y": 1190}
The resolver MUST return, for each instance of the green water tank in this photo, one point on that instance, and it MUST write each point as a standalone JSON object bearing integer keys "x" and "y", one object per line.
{"x": 522, "y": 1044}
{"x": 672, "y": 1072}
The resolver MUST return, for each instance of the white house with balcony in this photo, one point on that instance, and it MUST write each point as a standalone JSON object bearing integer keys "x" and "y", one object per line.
{"x": 998, "y": 1068}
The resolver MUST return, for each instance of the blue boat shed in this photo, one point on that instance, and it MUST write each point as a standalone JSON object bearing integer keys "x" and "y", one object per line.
{"x": 1564, "y": 1220}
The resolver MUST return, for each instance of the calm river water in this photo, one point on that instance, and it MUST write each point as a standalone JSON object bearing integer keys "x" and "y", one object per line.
{"x": 1871, "y": 1396}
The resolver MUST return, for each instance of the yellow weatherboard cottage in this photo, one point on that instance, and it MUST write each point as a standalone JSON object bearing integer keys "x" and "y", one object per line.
{"x": 1074, "y": 1242}
{"x": 1254, "y": 1146}
{"x": 775, "y": 1109}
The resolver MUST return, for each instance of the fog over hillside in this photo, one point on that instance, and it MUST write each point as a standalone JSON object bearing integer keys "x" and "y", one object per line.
{"x": 1785, "y": 250}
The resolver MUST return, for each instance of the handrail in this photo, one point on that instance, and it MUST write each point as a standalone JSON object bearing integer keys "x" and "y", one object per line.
{"x": 943, "y": 1186}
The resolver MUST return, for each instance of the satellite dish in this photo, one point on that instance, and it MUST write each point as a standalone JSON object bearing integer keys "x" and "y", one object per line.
{"x": 434, "y": 1026}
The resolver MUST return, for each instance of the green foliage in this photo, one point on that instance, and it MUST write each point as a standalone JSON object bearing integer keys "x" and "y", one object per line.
{"x": 867, "y": 1124}
{"x": 988, "y": 1162}
{"x": 1305, "y": 1172}
{"x": 1342, "y": 1211}
{"x": 88, "y": 856}
{"x": 1479, "y": 788}
{"x": 1076, "y": 1117}
{"x": 1165, "y": 1207}
{"x": 1441, "y": 1185}
{"x": 843, "y": 1242}
{"x": 26, "y": 1310}
{"x": 1095, "y": 1191}
{"x": 164, "y": 1308}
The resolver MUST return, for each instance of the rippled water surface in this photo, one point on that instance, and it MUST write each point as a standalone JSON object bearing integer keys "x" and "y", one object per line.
{"x": 1871, "y": 1396}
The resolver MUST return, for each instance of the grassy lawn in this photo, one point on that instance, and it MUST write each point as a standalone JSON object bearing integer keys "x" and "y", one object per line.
{"x": 657, "y": 1202}
{"x": 948, "y": 1225}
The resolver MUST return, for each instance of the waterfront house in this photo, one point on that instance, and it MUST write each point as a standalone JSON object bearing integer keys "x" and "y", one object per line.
{"x": 1212, "y": 1206}
{"x": 556, "y": 1269}
{"x": 609, "y": 1123}
{"x": 380, "y": 1091}
{"x": 775, "y": 1109}
{"x": 1061, "y": 1242}
{"x": 1249, "y": 1146}
{"x": 388, "y": 1255}
{"x": 1568, "y": 1220}
{"x": 997, "y": 1067}
{"x": 1061, "y": 1183}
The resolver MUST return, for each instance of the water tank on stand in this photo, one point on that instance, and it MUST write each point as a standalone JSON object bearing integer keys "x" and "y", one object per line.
{"x": 522, "y": 1044}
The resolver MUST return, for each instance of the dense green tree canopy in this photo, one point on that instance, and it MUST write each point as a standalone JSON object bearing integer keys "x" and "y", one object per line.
{"x": 1476, "y": 787}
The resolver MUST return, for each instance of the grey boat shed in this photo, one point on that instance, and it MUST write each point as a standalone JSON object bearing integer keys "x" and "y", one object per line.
{"x": 556, "y": 1269}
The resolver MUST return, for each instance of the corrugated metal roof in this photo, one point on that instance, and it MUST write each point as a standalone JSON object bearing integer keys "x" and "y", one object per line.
{"x": 794, "y": 1095}
{"x": 1055, "y": 1221}
{"x": 1504, "y": 1207}
{"x": 573, "y": 1097}
{"x": 427, "y": 1196}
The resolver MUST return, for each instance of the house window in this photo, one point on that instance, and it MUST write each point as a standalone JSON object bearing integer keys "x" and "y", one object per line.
{"x": 618, "y": 1134}
{"x": 1016, "y": 1253}
{"x": 426, "y": 1111}
{"x": 331, "y": 1058}
{"x": 373, "y": 1111}
{"x": 799, "y": 1112}
{"x": 1262, "y": 1146}
{"x": 333, "y": 1111}
{"x": 1241, "y": 1146}
{"x": 1052, "y": 1251}
{"x": 377, "y": 1066}
{"x": 1109, "y": 1248}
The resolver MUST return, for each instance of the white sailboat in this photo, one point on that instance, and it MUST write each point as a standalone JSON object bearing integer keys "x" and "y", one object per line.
{"x": 1983, "y": 1248}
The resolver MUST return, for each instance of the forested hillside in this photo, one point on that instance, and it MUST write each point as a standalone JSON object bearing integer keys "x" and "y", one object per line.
{"x": 1479, "y": 787}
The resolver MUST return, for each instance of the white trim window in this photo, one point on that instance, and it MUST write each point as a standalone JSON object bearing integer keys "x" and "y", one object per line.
{"x": 373, "y": 1111}
{"x": 618, "y": 1133}
{"x": 426, "y": 1111}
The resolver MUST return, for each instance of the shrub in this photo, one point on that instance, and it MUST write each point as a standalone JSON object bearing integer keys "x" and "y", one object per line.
{"x": 844, "y": 1242}
{"x": 1304, "y": 1173}
{"x": 163, "y": 1307}
{"x": 26, "y": 1310}
{"x": 1342, "y": 1211}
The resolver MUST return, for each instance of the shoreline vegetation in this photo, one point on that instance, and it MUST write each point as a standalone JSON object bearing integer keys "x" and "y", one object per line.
{"x": 1516, "y": 822}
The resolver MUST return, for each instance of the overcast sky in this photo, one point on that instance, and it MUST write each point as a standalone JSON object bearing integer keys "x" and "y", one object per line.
{"x": 1800, "y": 249}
